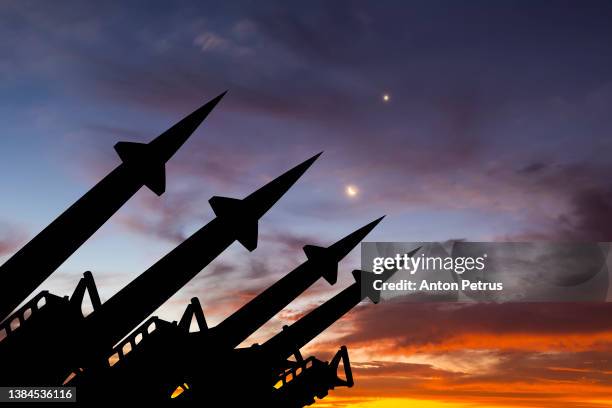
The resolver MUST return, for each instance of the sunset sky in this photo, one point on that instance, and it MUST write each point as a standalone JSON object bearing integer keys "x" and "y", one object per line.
{"x": 474, "y": 120}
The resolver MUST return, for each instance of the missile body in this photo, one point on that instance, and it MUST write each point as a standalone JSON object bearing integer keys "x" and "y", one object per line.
{"x": 212, "y": 378}
{"x": 250, "y": 317}
{"x": 236, "y": 220}
{"x": 266, "y": 362}
{"x": 198, "y": 347}
{"x": 84, "y": 341}
{"x": 142, "y": 164}
{"x": 294, "y": 337}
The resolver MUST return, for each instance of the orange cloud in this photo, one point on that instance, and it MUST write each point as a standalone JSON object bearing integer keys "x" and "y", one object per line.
{"x": 456, "y": 356}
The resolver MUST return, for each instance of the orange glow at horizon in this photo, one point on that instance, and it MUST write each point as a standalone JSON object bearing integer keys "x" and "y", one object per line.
{"x": 551, "y": 395}
{"x": 329, "y": 402}
{"x": 481, "y": 370}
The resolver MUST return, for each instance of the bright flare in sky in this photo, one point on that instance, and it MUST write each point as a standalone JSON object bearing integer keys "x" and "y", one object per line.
{"x": 351, "y": 191}
{"x": 386, "y": 97}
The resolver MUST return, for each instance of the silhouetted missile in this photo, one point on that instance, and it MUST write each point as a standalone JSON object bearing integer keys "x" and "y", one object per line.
{"x": 294, "y": 337}
{"x": 208, "y": 371}
{"x": 242, "y": 215}
{"x": 157, "y": 367}
{"x": 321, "y": 262}
{"x": 142, "y": 164}
{"x": 81, "y": 342}
{"x": 146, "y": 161}
{"x": 236, "y": 220}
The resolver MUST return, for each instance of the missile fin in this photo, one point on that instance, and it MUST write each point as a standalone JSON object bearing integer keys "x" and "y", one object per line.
{"x": 247, "y": 236}
{"x": 130, "y": 151}
{"x": 313, "y": 252}
{"x": 234, "y": 210}
{"x": 366, "y": 281}
{"x": 139, "y": 159}
{"x": 225, "y": 206}
{"x": 156, "y": 180}
{"x": 324, "y": 260}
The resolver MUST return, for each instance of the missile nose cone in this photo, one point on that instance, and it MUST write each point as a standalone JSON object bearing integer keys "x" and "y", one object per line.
{"x": 264, "y": 198}
{"x": 166, "y": 144}
{"x": 194, "y": 119}
{"x": 292, "y": 175}
{"x": 210, "y": 105}
{"x": 341, "y": 248}
{"x": 295, "y": 173}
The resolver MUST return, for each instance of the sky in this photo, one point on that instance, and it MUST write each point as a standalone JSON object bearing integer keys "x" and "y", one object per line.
{"x": 496, "y": 126}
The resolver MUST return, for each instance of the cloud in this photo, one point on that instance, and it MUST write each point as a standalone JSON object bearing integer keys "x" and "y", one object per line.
{"x": 167, "y": 219}
{"x": 210, "y": 42}
{"x": 11, "y": 238}
{"x": 453, "y": 139}
{"x": 400, "y": 330}
{"x": 591, "y": 215}
{"x": 520, "y": 380}
{"x": 482, "y": 120}
{"x": 586, "y": 198}
{"x": 289, "y": 242}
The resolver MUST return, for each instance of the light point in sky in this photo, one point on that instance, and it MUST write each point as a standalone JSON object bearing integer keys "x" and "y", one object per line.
{"x": 386, "y": 97}
{"x": 351, "y": 191}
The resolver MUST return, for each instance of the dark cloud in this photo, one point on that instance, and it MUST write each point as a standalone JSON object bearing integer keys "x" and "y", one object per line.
{"x": 591, "y": 216}
{"x": 532, "y": 168}
{"x": 416, "y": 325}
{"x": 586, "y": 213}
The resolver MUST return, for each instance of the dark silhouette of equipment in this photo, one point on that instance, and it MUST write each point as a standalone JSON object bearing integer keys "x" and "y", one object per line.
{"x": 321, "y": 262}
{"x": 151, "y": 357}
{"x": 142, "y": 164}
{"x": 268, "y": 363}
{"x": 82, "y": 341}
{"x": 50, "y": 341}
{"x": 35, "y": 325}
{"x": 298, "y": 385}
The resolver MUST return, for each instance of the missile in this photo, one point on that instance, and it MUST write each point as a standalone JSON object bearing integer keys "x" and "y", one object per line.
{"x": 320, "y": 262}
{"x": 82, "y": 341}
{"x": 143, "y": 164}
{"x": 157, "y": 367}
{"x": 264, "y": 362}
{"x": 237, "y": 220}
{"x": 294, "y": 337}
{"x": 226, "y": 335}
